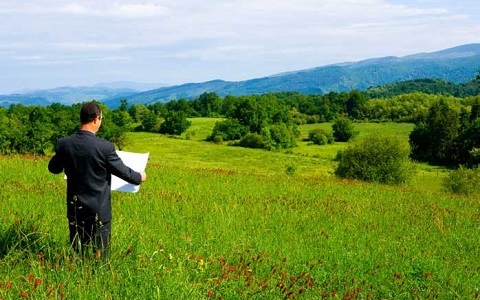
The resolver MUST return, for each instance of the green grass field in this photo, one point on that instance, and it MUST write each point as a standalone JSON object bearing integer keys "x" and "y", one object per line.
{"x": 222, "y": 222}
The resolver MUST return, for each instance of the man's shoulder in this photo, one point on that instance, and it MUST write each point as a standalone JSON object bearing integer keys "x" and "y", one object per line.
{"x": 103, "y": 143}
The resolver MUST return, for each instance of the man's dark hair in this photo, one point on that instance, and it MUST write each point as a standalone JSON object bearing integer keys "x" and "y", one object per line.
{"x": 89, "y": 112}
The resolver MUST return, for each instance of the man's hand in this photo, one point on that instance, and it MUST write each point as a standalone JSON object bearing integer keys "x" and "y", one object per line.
{"x": 144, "y": 176}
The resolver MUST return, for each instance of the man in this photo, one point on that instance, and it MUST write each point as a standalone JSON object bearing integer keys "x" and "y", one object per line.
{"x": 88, "y": 163}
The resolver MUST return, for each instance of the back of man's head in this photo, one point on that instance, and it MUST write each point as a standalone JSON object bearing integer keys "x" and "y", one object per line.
{"x": 89, "y": 112}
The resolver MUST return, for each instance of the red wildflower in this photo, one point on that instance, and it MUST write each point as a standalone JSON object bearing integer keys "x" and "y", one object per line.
{"x": 37, "y": 283}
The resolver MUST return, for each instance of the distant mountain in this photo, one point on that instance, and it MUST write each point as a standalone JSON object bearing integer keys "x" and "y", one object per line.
{"x": 119, "y": 85}
{"x": 70, "y": 95}
{"x": 456, "y": 65}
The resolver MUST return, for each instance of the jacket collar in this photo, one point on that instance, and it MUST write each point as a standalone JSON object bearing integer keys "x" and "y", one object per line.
{"x": 85, "y": 132}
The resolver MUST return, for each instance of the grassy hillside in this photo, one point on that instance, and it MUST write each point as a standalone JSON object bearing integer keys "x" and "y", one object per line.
{"x": 221, "y": 222}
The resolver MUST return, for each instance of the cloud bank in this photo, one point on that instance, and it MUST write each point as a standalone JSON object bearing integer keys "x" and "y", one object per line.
{"x": 48, "y": 43}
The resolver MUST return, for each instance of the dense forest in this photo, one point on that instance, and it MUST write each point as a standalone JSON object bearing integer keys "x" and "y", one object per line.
{"x": 447, "y": 118}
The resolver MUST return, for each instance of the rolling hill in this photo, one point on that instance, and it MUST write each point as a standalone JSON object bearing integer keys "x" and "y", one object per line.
{"x": 456, "y": 65}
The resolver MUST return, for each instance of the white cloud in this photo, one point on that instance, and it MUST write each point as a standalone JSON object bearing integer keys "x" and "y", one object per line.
{"x": 89, "y": 46}
{"x": 262, "y": 36}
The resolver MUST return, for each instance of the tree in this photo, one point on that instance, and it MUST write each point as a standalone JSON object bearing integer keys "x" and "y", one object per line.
{"x": 376, "y": 158}
{"x": 435, "y": 140}
{"x": 123, "y": 105}
{"x": 279, "y": 136}
{"x": 150, "y": 122}
{"x": 343, "y": 130}
{"x": 138, "y": 111}
{"x": 354, "y": 104}
{"x": 209, "y": 104}
{"x": 478, "y": 82}
{"x": 175, "y": 123}
{"x": 228, "y": 130}
{"x": 320, "y": 137}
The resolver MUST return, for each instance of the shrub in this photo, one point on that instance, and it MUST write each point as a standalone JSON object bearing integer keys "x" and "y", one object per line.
{"x": 463, "y": 181}
{"x": 252, "y": 140}
{"x": 279, "y": 136}
{"x": 343, "y": 130}
{"x": 175, "y": 123}
{"x": 290, "y": 170}
{"x": 217, "y": 139}
{"x": 229, "y": 130}
{"x": 320, "y": 137}
{"x": 376, "y": 158}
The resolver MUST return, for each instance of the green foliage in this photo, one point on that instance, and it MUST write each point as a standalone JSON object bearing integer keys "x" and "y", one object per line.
{"x": 354, "y": 104}
{"x": 252, "y": 140}
{"x": 463, "y": 181}
{"x": 150, "y": 122}
{"x": 290, "y": 170}
{"x": 175, "y": 123}
{"x": 343, "y": 130}
{"x": 217, "y": 139}
{"x": 478, "y": 82}
{"x": 138, "y": 112}
{"x": 439, "y": 139}
{"x": 433, "y": 86}
{"x": 320, "y": 136}
{"x": 376, "y": 158}
{"x": 229, "y": 130}
{"x": 257, "y": 112}
{"x": 29, "y": 129}
{"x": 411, "y": 108}
{"x": 468, "y": 143}
{"x": 208, "y": 105}
{"x": 188, "y": 107}
{"x": 279, "y": 136}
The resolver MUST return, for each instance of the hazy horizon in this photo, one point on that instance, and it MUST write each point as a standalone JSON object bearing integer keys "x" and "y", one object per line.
{"x": 48, "y": 44}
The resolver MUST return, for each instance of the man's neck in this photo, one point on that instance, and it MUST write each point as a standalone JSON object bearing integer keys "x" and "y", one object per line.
{"x": 88, "y": 127}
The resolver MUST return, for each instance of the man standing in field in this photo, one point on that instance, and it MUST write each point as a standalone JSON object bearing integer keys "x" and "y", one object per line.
{"x": 88, "y": 163}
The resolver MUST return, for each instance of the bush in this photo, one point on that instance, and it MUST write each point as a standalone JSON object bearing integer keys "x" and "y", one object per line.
{"x": 217, "y": 139}
{"x": 290, "y": 170}
{"x": 175, "y": 123}
{"x": 343, "y": 130}
{"x": 463, "y": 181}
{"x": 320, "y": 137}
{"x": 279, "y": 136}
{"x": 376, "y": 158}
{"x": 252, "y": 140}
{"x": 229, "y": 130}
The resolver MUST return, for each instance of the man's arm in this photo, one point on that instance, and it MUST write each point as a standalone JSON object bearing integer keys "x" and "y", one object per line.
{"x": 119, "y": 169}
{"x": 55, "y": 165}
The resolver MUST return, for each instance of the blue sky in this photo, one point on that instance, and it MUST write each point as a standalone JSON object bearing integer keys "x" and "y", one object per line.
{"x": 54, "y": 43}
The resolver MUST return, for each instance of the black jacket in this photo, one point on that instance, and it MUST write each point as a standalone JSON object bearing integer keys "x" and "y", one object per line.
{"x": 89, "y": 162}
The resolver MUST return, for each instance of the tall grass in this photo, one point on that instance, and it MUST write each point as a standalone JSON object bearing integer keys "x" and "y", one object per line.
{"x": 224, "y": 222}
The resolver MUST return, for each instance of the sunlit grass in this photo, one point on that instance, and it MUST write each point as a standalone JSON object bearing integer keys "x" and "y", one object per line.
{"x": 215, "y": 221}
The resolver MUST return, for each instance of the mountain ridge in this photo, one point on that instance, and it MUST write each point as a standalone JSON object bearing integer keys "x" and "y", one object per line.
{"x": 457, "y": 65}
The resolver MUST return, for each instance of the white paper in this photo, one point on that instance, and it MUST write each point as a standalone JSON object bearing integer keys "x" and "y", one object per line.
{"x": 137, "y": 162}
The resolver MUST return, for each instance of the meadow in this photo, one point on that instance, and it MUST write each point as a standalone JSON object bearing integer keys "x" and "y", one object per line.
{"x": 222, "y": 222}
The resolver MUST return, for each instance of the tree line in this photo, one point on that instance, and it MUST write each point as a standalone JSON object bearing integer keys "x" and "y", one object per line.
{"x": 446, "y": 130}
